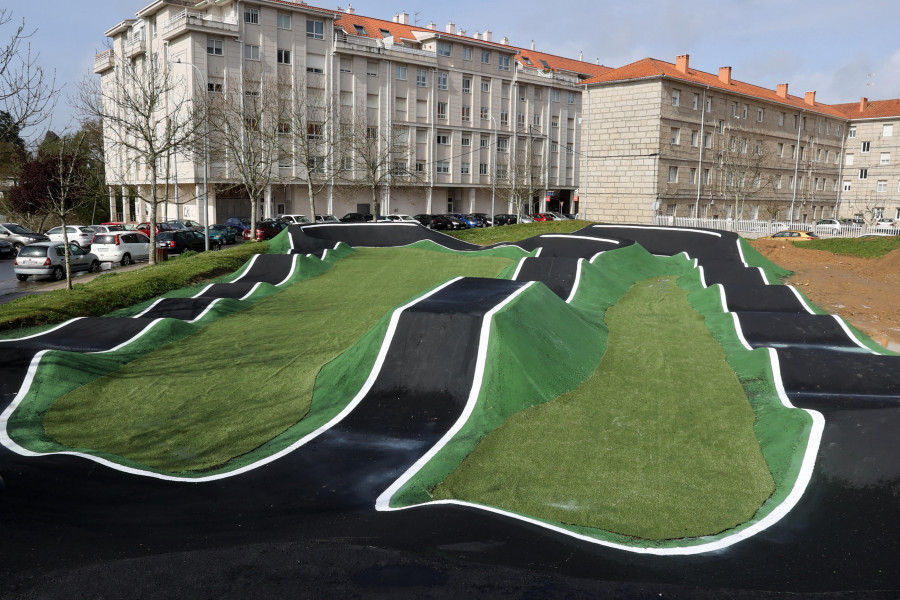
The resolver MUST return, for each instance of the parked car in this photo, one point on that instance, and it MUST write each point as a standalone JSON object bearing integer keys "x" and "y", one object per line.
{"x": 185, "y": 224}
{"x": 884, "y": 223}
{"x": 48, "y": 259}
{"x": 854, "y": 222}
{"x": 326, "y": 219}
{"x": 792, "y": 235}
{"x": 453, "y": 222}
{"x": 123, "y": 247}
{"x": 107, "y": 228}
{"x": 129, "y": 226}
{"x": 6, "y": 249}
{"x": 468, "y": 221}
{"x": 401, "y": 218}
{"x": 80, "y": 234}
{"x": 485, "y": 219}
{"x": 160, "y": 228}
{"x": 295, "y": 218}
{"x": 180, "y": 241}
{"x": 505, "y": 219}
{"x": 832, "y": 226}
{"x": 223, "y": 234}
{"x": 430, "y": 221}
{"x": 357, "y": 218}
{"x": 20, "y": 236}
{"x": 265, "y": 230}
{"x": 542, "y": 217}
{"x": 239, "y": 224}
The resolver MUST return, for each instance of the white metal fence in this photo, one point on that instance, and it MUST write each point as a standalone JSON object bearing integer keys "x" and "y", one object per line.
{"x": 755, "y": 228}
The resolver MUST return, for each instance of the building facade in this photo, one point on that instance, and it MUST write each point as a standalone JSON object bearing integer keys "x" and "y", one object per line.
{"x": 466, "y": 111}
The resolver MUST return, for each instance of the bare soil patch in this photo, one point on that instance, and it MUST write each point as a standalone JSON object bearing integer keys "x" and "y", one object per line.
{"x": 864, "y": 291}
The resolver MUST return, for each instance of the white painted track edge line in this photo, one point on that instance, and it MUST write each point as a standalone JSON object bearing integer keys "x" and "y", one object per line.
{"x": 739, "y": 331}
{"x": 34, "y": 335}
{"x": 290, "y": 274}
{"x": 579, "y": 237}
{"x": 712, "y": 233}
{"x": 575, "y": 283}
{"x": 252, "y": 291}
{"x": 515, "y": 276}
{"x": 203, "y": 291}
{"x": 246, "y": 270}
{"x": 206, "y": 310}
{"x": 803, "y": 303}
{"x": 740, "y": 250}
{"x": 723, "y": 298}
{"x": 852, "y": 337}
{"x": 148, "y": 309}
{"x": 382, "y": 503}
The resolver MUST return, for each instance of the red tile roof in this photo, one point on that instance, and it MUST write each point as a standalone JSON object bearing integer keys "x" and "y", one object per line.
{"x": 652, "y": 68}
{"x": 558, "y": 63}
{"x": 870, "y": 109}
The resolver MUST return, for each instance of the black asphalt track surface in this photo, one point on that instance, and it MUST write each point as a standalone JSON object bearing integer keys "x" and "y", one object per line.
{"x": 304, "y": 525}
{"x": 558, "y": 274}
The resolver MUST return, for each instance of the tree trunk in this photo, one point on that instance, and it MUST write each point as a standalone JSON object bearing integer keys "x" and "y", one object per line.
{"x": 312, "y": 200}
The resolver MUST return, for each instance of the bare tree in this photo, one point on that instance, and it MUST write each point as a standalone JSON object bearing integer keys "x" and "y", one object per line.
{"x": 376, "y": 158}
{"x": 743, "y": 161}
{"x": 147, "y": 116}
{"x": 247, "y": 118}
{"x": 27, "y": 92}
{"x": 521, "y": 176}
{"x": 313, "y": 134}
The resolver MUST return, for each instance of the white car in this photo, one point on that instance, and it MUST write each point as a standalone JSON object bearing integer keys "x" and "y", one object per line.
{"x": 884, "y": 223}
{"x": 327, "y": 219}
{"x": 123, "y": 247}
{"x": 828, "y": 226}
{"x": 295, "y": 218}
{"x": 398, "y": 219}
{"x": 80, "y": 234}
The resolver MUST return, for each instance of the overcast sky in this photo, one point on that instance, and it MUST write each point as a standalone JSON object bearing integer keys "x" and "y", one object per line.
{"x": 842, "y": 50}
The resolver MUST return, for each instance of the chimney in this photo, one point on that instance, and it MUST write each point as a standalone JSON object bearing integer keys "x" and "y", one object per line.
{"x": 781, "y": 91}
{"x": 810, "y": 98}
{"x": 403, "y": 18}
{"x": 477, "y": 35}
{"x": 505, "y": 41}
{"x": 462, "y": 32}
{"x": 432, "y": 26}
{"x": 581, "y": 56}
{"x": 450, "y": 28}
{"x": 487, "y": 35}
{"x": 863, "y": 102}
{"x": 532, "y": 45}
{"x": 396, "y": 19}
{"x": 681, "y": 63}
{"x": 725, "y": 75}
{"x": 350, "y": 10}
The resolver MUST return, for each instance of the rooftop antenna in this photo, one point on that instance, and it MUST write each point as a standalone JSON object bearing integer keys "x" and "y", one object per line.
{"x": 416, "y": 18}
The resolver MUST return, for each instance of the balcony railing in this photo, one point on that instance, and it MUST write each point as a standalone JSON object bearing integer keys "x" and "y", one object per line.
{"x": 559, "y": 77}
{"x": 104, "y": 61}
{"x": 204, "y": 21}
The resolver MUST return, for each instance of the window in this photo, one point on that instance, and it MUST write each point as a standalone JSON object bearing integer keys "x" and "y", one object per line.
{"x": 314, "y": 131}
{"x": 346, "y": 64}
{"x": 420, "y": 166}
{"x": 537, "y": 119}
{"x": 571, "y": 97}
{"x": 443, "y": 139}
{"x": 537, "y": 93}
{"x": 781, "y": 117}
{"x": 421, "y": 78}
{"x": 745, "y": 111}
{"x": 400, "y": 73}
{"x": 707, "y": 140}
{"x": 315, "y": 63}
{"x": 881, "y": 185}
{"x": 372, "y": 68}
{"x": 692, "y": 176}
{"x": 466, "y": 113}
{"x": 315, "y": 29}
{"x": 709, "y": 105}
{"x": 441, "y": 110}
{"x": 520, "y": 120}
{"x": 503, "y": 144}
{"x": 676, "y": 135}
{"x": 887, "y": 130}
{"x": 485, "y": 85}
{"x": 676, "y": 97}
{"x": 721, "y": 127}
{"x": 695, "y": 138}
{"x": 250, "y": 123}
{"x": 372, "y": 132}
{"x": 443, "y": 166}
{"x": 504, "y": 117}
{"x": 484, "y": 113}
{"x": 570, "y": 148}
{"x": 673, "y": 174}
{"x": 360, "y": 30}
{"x": 399, "y": 168}
{"x": 554, "y": 121}
{"x": 501, "y": 172}
{"x": 846, "y": 185}
{"x": 442, "y": 80}
{"x": 863, "y": 173}
{"x": 791, "y": 182}
{"x": 554, "y": 95}
{"x": 214, "y": 86}
{"x": 467, "y": 85}
{"x": 793, "y": 149}
{"x": 503, "y": 62}
{"x": 214, "y": 47}
{"x": 284, "y": 57}
{"x": 284, "y": 21}
{"x": 851, "y": 133}
{"x": 251, "y": 52}
{"x": 482, "y": 169}
{"x": 778, "y": 180}
{"x": 760, "y": 114}
{"x": 464, "y": 168}
{"x": 485, "y": 142}
{"x": 695, "y": 102}
{"x": 251, "y": 15}
{"x": 780, "y": 149}
{"x": 865, "y": 146}
{"x": 485, "y": 57}
{"x": 466, "y": 141}
{"x": 706, "y": 176}
{"x": 443, "y": 48}
{"x": 316, "y": 164}
{"x": 734, "y": 110}
{"x": 554, "y": 147}
{"x": 467, "y": 53}
{"x": 885, "y": 158}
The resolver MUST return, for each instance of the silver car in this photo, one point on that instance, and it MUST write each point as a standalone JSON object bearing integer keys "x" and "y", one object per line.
{"x": 48, "y": 259}
{"x": 80, "y": 234}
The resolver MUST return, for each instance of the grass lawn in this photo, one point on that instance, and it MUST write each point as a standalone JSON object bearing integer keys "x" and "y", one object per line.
{"x": 246, "y": 378}
{"x": 514, "y": 233}
{"x": 657, "y": 444}
{"x": 873, "y": 247}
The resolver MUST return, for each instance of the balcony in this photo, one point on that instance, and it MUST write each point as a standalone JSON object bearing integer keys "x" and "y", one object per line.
{"x": 134, "y": 46}
{"x": 365, "y": 44}
{"x": 551, "y": 75}
{"x": 195, "y": 21}
{"x": 104, "y": 61}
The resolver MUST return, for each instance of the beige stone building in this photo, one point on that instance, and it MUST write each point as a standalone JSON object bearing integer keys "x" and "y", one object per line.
{"x": 663, "y": 139}
{"x": 467, "y": 108}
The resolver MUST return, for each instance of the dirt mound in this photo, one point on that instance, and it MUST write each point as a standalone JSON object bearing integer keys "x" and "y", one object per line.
{"x": 864, "y": 291}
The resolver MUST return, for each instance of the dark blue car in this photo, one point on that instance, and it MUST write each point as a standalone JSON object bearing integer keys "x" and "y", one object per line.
{"x": 239, "y": 224}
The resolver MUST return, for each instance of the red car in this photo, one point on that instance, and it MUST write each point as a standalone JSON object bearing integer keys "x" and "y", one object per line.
{"x": 160, "y": 227}
{"x": 540, "y": 217}
{"x": 266, "y": 230}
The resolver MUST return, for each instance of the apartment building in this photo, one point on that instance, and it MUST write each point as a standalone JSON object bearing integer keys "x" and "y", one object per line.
{"x": 870, "y": 184}
{"x": 662, "y": 138}
{"x": 468, "y": 110}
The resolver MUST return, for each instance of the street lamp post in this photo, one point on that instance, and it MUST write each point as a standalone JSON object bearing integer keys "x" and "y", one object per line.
{"x": 205, "y": 161}
{"x": 494, "y": 174}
